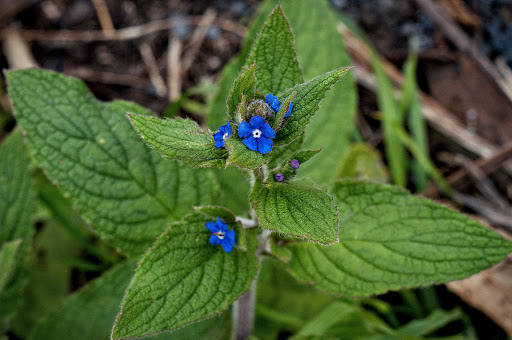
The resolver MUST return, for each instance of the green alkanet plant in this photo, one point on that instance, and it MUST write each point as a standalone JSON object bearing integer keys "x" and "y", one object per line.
{"x": 354, "y": 238}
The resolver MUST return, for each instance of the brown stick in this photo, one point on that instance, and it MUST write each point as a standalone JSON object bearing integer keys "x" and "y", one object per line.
{"x": 464, "y": 44}
{"x": 152, "y": 67}
{"x": 104, "y": 17}
{"x": 197, "y": 38}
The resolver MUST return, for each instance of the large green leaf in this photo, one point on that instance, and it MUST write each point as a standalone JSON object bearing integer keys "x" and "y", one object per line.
{"x": 332, "y": 126}
{"x": 8, "y": 252}
{"x": 183, "y": 278}
{"x": 390, "y": 239}
{"x": 179, "y": 139}
{"x": 245, "y": 85}
{"x": 306, "y": 103}
{"x": 90, "y": 312}
{"x": 89, "y": 149}
{"x": 16, "y": 209}
{"x": 298, "y": 208}
{"x": 276, "y": 62}
{"x": 218, "y": 115}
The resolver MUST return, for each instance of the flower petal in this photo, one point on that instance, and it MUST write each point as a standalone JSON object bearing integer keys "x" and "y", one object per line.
{"x": 251, "y": 143}
{"x": 214, "y": 240}
{"x": 227, "y": 246}
{"x": 289, "y": 112}
{"x": 221, "y": 225}
{"x": 264, "y": 145}
{"x": 219, "y": 144}
{"x": 256, "y": 122}
{"x": 267, "y": 131}
{"x": 244, "y": 130}
{"x": 211, "y": 227}
{"x": 230, "y": 235}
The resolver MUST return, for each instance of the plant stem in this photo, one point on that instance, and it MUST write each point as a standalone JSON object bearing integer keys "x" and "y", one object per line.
{"x": 243, "y": 314}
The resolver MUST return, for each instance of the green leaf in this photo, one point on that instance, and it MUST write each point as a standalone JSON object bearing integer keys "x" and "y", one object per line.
{"x": 362, "y": 161}
{"x": 331, "y": 315}
{"x": 49, "y": 268}
{"x": 332, "y": 126}
{"x": 217, "y": 115}
{"x": 90, "y": 312}
{"x": 435, "y": 321}
{"x": 16, "y": 209}
{"x": 183, "y": 278}
{"x": 298, "y": 208}
{"x": 8, "y": 253}
{"x": 395, "y": 150}
{"x": 243, "y": 157}
{"x": 235, "y": 190}
{"x": 306, "y": 103}
{"x": 126, "y": 191}
{"x": 390, "y": 240}
{"x": 276, "y": 62}
{"x": 179, "y": 139}
{"x": 245, "y": 85}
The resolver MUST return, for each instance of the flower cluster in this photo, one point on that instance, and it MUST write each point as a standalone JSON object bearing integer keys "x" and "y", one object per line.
{"x": 225, "y": 131}
{"x": 257, "y": 134}
{"x": 275, "y": 104}
{"x": 221, "y": 235}
{"x": 294, "y": 164}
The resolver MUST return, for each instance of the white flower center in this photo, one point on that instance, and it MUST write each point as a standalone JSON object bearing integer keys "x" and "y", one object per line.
{"x": 256, "y": 133}
{"x": 219, "y": 234}
{"x": 225, "y": 136}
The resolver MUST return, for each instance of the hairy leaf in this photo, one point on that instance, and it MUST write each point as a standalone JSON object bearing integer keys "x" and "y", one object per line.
{"x": 235, "y": 190}
{"x": 298, "y": 208}
{"x": 8, "y": 252}
{"x": 179, "y": 139}
{"x": 390, "y": 239}
{"x": 245, "y": 84}
{"x": 276, "y": 62}
{"x": 243, "y": 157}
{"x": 306, "y": 103}
{"x": 89, "y": 149}
{"x": 16, "y": 209}
{"x": 332, "y": 126}
{"x": 183, "y": 278}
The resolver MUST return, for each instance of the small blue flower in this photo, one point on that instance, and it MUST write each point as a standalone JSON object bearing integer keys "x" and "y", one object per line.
{"x": 221, "y": 235}
{"x": 294, "y": 163}
{"x": 257, "y": 134}
{"x": 275, "y": 104}
{"x": 224, "y": 133}
{"x": 289, "y": 112}
{"x": 279, "y": 177}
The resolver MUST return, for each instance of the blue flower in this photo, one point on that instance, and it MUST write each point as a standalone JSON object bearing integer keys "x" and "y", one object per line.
{"x": 289, "y": 112}
{"x": 257, "y": 134}
{"x": 275, "y": 104}
{"x": 221, "y": 235}
{"x": 224, "y": 133}
{"x": 279, "y": 177}
{"x": 294, "y": 163}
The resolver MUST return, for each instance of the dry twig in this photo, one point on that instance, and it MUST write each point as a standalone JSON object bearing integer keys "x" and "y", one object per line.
{"x": 104, "y": 17}
{"x": 152, "y": 67}
{"x": 174, "y": 68}
{"x": 197, "y": 38}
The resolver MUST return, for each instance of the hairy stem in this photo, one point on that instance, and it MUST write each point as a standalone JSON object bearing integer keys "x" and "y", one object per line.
{"x": 243, "y": 314}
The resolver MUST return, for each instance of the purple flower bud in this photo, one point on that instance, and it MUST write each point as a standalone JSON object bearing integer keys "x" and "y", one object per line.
{"x": 294, "y": 163}
{"x": 279, "y": 177}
